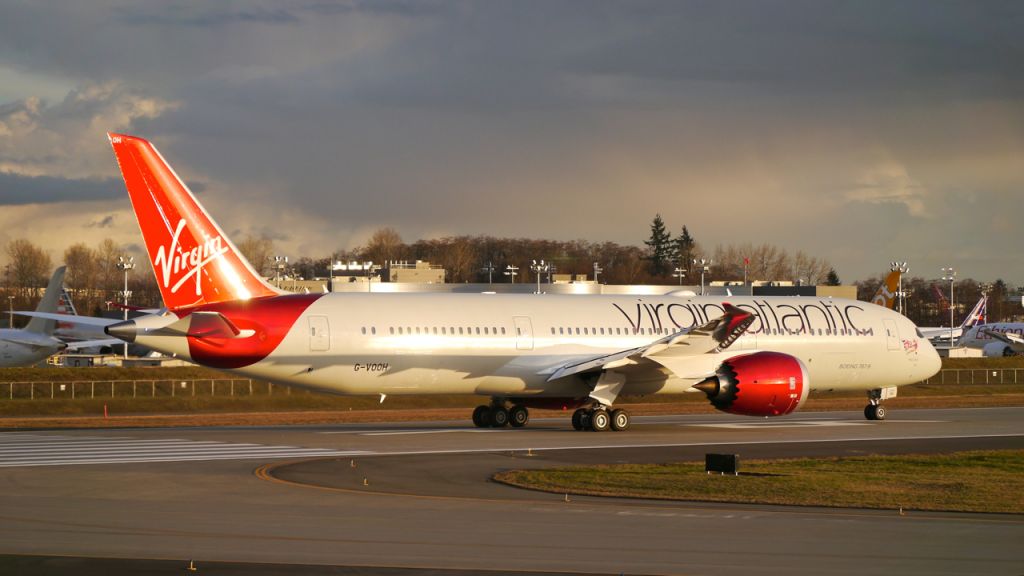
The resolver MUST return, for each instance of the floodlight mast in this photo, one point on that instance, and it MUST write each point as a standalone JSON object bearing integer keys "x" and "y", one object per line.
{"x": 902, "y": 268}
{"x": 950, "y": 274}
{"x": 511, "y": 270}
{"x": 125, "y": 263}
{"x": 705, "y": 266}
{"x": 538, "y": 269}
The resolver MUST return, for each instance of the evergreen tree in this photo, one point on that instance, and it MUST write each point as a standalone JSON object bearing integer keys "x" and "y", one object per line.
{"x": 832, "y": 279}
{"x": 686, "y": 251}
{"x": 659, "y": 248}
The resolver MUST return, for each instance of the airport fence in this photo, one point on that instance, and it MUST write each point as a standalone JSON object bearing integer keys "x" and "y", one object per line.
{"x": 977, "y": 376}
{"x": 242, "y": 387}
{"x": 142, "y": 389}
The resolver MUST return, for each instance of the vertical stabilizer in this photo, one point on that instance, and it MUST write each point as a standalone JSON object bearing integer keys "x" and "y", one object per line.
{"x": 888, "y": 291}
{"x": 48, "y": 304}
{"x": 194, "y": 261}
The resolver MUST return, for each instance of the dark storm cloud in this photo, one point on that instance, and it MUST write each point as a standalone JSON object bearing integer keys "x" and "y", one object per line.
{"x": 562, "y": 119}
{"x": 16, "y": 189}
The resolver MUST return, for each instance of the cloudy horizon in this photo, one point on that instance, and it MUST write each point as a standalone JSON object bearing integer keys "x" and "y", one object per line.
{"x": 857, "y": 132}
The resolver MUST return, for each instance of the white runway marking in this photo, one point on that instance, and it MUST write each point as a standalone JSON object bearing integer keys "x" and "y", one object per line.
{"x": 52, "y": 450}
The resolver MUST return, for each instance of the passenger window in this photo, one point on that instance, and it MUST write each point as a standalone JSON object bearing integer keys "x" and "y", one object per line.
{"x": 502, "y": 330}
{"x": 364, "y": 329}
{"x": 460, "y": 330}
{"x": 391, "y": 329}
{"x": 477, "y": 330}
{"x": 373, "y": 330}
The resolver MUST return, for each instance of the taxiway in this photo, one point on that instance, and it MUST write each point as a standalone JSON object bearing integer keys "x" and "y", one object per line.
{"x": 418, "y": 496}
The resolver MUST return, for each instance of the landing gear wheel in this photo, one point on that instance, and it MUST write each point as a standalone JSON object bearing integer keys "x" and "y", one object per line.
{"x": 620, "y": 420}
{"x": 874, "y": 412}
{"x": 599, "y": 420}
{"x": 577, "y": 419}
{"x": 498, "y": 417}
{"x": 518, "y": 416}
{"x": 481, "y": 415}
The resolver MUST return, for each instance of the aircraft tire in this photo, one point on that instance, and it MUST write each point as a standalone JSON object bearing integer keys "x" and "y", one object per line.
{"x": 481, "y": 416}
{"x": 874, "y": 412}
{"x": 519, "y": 416}
{"x": 620, "y": 420}
{"x": 498, "y": 417}
{"x": 577, "y": 419}
{"x": 599, "y": 420}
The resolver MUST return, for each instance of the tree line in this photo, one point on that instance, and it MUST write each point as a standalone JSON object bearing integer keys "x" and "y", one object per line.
{"x": 94, "y": 279}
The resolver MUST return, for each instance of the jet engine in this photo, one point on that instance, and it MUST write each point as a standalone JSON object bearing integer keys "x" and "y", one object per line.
{"x": 997, "y": 350}
{"x": 758, "y": 384}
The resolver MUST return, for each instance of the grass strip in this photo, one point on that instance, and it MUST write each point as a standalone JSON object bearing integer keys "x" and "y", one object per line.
{"x": 976, "y": 481}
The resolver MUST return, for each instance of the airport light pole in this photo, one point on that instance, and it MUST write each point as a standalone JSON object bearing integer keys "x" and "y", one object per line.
{"x": 679, "y": 273}
{"x": 705, "y": 266}
{"x": 124, "y": 264}
{"x": 597, "y": 271}
{"x": 10, "y": 313}
{"x": 902, "y": 268}
{"x": 539, "y": 269}
{"x": 489, "y": 269}
{"x": 950, "y": 274}
{"x": 511, "y": 270}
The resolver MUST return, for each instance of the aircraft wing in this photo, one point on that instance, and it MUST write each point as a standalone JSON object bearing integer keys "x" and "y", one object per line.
{"x": 714, "y": 336}
{"x": 90, "y": 343}
{"x": 72, "y": 319}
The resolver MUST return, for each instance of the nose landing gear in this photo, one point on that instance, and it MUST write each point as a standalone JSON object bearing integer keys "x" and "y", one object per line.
{"x": 874, "y": 410}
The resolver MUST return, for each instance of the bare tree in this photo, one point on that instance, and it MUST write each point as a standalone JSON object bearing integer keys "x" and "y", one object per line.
{"x": 258, "y": 250}
{"x": 383, "y": 246}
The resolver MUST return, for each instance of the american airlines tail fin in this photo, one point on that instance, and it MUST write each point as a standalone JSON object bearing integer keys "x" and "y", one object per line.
{"x": 48, "y": 304}
{"x": 887, "y": 292}
{"x": 194, "y": 261}
{"x": 977, "y": 316}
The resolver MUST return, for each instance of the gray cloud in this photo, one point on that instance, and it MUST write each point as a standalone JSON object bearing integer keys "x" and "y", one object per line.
{"x": 16, "y": 189}
{"x": 867, "y": 130}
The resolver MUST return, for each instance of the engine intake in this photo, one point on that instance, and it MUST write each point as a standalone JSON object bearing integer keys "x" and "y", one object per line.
{"x": 758, "y": 384}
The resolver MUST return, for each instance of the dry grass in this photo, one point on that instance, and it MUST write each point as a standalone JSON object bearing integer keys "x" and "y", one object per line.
{"x": 982, "y": 481}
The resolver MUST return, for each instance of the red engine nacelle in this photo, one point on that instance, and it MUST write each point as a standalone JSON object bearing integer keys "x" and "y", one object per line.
{"x": 758, "y": 384}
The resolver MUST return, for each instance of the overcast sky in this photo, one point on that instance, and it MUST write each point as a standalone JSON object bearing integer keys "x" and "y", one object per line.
{"x": 859, "y": 132}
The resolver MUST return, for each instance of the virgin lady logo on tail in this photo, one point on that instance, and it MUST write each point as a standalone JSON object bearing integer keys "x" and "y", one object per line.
{"x": 190, "y": 262}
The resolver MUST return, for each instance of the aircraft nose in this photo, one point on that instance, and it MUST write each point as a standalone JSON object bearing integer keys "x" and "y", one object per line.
{"x": 929, "y": 362}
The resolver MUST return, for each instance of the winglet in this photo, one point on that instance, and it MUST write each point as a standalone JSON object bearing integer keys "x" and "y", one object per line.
{"x": 731, "y": 326}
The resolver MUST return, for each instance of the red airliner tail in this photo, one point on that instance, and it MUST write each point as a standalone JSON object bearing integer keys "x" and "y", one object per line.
{"x": 194, "y": 261}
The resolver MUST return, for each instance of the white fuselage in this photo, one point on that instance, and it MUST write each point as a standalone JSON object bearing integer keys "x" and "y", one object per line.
{"x": 508, "y": 345}
{"x": 979, "y": 336}
{"x": 24, "y": 348}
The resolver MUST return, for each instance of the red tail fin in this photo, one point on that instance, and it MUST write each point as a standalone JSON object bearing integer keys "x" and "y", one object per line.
{"x": 194, "y": 261}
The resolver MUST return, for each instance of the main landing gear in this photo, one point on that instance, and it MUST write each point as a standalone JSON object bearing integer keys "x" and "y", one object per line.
{"x": 599, "y": 419}
{"x": 498, "y": 416}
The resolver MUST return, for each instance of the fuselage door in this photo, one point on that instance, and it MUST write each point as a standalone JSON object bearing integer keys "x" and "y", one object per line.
{"x": 319, "y": 334}
{"x": 892, "y": 335}
{"x": 524, "y": 333}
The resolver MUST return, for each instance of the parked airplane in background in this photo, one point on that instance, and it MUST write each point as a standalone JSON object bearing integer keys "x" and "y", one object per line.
{"x": 975, "y": 317}
{"x": 36, "y": 341}
{"x": 888, "y": 292}
{"x": 996, "y": 339}
{"x": 752, "y": 356}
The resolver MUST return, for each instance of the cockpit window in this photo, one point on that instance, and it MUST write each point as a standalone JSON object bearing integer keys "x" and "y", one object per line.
{"x": 918, "y": 330}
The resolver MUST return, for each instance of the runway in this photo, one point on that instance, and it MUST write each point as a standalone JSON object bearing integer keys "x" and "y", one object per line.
{"x": 418, "y": 496}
